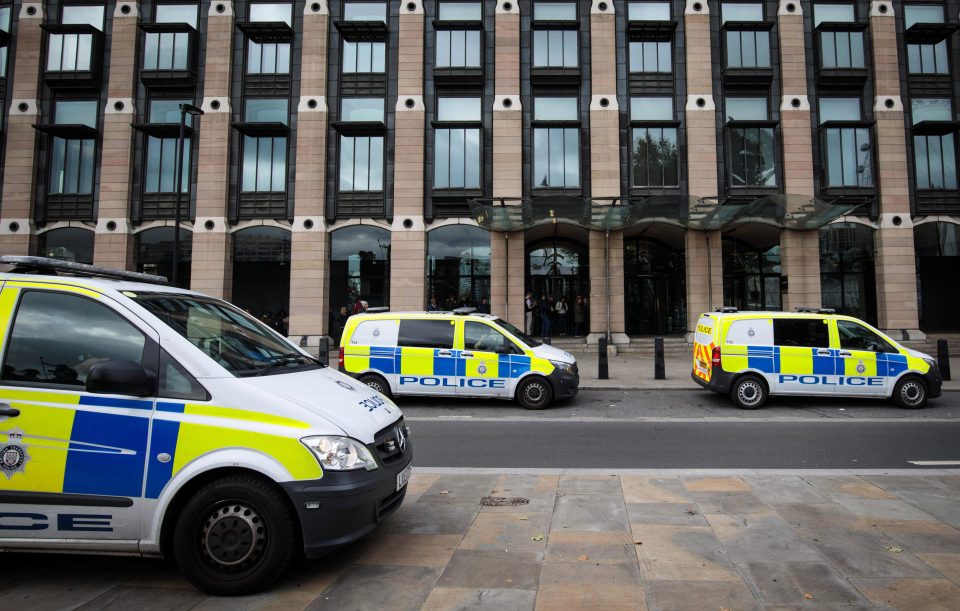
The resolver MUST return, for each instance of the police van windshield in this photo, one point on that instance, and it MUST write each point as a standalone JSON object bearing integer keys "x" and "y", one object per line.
{"x": 239, "y": 343}
{"x": 517, "y": 333}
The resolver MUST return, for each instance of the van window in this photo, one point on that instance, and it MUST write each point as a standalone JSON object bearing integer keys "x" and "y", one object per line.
{"x": 810, "y": 332}
{"x": 426, "y": 333}
{"x": 478, "y": 336}
{"x": 177, "y": 383}
{"x": 704, "y": 335}
{"x": 858, "y": 337}
{"x": 57, "y": 338}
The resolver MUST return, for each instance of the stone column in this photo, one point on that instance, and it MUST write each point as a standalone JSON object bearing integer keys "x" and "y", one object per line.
{"x": 895, "y": 263}
{"x": 16, "y": 204}
{"x": 507, "y": 261}
{"x": 606, "y": 256}
{"x": 309, "y": 248}
{"x": 704, "y": 261}
{"x": 408, "y": 254}
{"x": 211, "y": 269}
{"x": 799, "y": 250}
{"x": 113, "y": 246}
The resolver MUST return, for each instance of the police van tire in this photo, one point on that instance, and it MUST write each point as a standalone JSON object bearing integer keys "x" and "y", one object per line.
{"x": 535, "y": 393}
{"x": 749, "y": 392}
{"x": 377, "y": 383}
{"x": 910, "y": 392}
{"x": 235, "y": 536}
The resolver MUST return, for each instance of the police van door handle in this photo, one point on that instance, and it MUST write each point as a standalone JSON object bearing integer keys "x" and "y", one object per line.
{"x": 444, "y": 353}
{"x": 467, "y": 354}
{"x": 10, "y": 412}
{"x": 844, "y": 353}
{"x": 823, "y": 353}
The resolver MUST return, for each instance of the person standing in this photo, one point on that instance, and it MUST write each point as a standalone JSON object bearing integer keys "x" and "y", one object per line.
{"x": 484, "y": 306}
{"x": 544, "y": 307}
{"x": 528, "y": 307}
{"x": 561, "y": 309}
{"x": 579, "y": 309}
{"x": 432, "y": 306}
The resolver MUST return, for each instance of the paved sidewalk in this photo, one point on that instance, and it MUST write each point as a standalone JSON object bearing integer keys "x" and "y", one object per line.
{"x": 600, "y": 541}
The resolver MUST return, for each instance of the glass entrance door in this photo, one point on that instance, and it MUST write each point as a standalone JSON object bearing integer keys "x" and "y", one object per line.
{"x": 655, "y": 288}
{"x": 557, "y": 274}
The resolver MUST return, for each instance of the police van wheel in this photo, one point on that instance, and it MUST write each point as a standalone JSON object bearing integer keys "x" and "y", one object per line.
{"x": 377, "y": 383}
{"x": 535, "y": 393}
{"x": 910, "y": 393}
{"x": 236, "y": 536}
{"x": 749, "y": 392}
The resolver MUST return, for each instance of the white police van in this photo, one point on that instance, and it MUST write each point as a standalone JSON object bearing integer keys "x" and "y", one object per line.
{"x": 138, "y": 418}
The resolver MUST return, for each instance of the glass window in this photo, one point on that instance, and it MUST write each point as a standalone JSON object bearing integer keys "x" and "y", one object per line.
{"x": 554, "y": 11}
{"x": 161, "y": 161}
{"x": 751, "y": 277}
{"x": 76, "y": 113}
{"x": 654, "y": 158}
{"x": 365, "y": 11}
{"x": 5, "y": 26}
{"x": 460, "y": 11}
{"x": 928, "y": 58}
{"x": 651, "y": 109}
{"x": 58, "y": 338}
{"x": 855, "y": 336}
{"x": 83, "y": 15}
{"x": 167, "y": 111}
{"x": 649, "y": 11}
{"x": 266, "y": 110}
{"x": 264, "y": 167}
{"x": 922, "y": 13}
{"x": 847, "y": 270}
{"x": 556, "y": 157}
{"x": 361, "y": 109}
{"x": 458, "y": 266}
{"x": 457, "y": 158}
{"x": 426, "y": 333}
{"x": 359, "y": 267}
{"x": 175, "y": 382}
{"x": 746, "y": 109}
{"x": 271, "y": 12}
{"x": 555, "y": 48}
{"x": 651, "y": 56}
{"x": 839, "y": 109}
{"x": 834, "y": 13}
{"x": 458, "y": 49}
{"x": 935, "y": 156}
{"x": 841, "y": 50}
{"x": 804, "y": 332}
{"x": 153, "y": 250}
{"x": 484, "y": 338}
{"x": 458, "y": 109}
{"x": 752, "y": 157}
{"x": 748, "y": 49}
{"x": 177, "y": 13}
{"x": 555, "y": 109}
{"x": 67, "y": 244}
{"x": 361, "y": 163}
{"x": 364, "y": 57}
{"x": 931, "y": 109}
{"x": 72, "y": 160}
{"x": 735, "y": 11}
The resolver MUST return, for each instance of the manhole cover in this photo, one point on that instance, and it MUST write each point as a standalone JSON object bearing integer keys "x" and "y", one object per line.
{"x": 503, "y": 501}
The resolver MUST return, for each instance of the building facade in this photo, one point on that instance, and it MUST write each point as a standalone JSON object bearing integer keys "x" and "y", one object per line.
{"x": 652, "y": 159}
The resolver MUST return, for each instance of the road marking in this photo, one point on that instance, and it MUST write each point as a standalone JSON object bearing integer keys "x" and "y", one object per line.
{"x": 693, "y": 472}
{"x": 411, "y": 416}
{"x": 934, "y": 463}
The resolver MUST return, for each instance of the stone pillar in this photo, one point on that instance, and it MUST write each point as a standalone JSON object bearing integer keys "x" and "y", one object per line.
{"x": 704, "y": 261}
{"x": 309, "y": 249}
{"x": 508, "y": 165}
{"x": 211, "y": 269}
{"x": 113, "y": 246}
{"x": 799, "y": 250}
{"x": 16, "y": 203}
{"x": 606, "y": 256}
{"x": 408, "y": 247}
{"x": 895, "y": 264}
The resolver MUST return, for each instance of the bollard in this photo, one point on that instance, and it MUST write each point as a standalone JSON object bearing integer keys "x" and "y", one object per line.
{"x": 324, "y": 351}
{"x": 943, "y": 359}
{"x": 603, "y": 372}
{"x": 659, "y": 369}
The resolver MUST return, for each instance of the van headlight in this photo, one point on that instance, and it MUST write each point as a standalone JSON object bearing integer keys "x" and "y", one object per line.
{"x": 340, "y": 453}
{"x": 566, "y": 368}
{"x": 931, "y": 362}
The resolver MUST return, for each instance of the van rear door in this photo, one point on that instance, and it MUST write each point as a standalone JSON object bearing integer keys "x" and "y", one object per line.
{"x": 703, "y": 342}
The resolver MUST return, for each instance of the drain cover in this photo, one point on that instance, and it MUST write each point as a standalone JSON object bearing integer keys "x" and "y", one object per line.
{"x": 503, "y": 501}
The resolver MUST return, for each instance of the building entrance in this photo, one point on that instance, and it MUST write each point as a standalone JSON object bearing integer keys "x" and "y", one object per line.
{"x": 655, "y": 287}
{"x": 559, "y": 278}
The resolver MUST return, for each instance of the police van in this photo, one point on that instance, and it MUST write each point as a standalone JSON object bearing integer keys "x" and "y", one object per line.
{"x": 455, "y": 354}
{"x": 751, "y": 355}
{"x": 138, "y": 418}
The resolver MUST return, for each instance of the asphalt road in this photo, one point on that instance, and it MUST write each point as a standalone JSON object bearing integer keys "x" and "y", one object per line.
{"x": 680, "y": 429}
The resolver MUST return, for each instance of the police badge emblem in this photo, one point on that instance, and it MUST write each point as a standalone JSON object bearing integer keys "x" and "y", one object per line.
{"x": 482, "y": 369}
{"x": 376, "y": 332}
{"x": 14, "y": 456}
{"x": 861, "y": 367}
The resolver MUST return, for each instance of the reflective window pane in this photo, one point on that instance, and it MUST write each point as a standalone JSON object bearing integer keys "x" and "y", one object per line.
{"x": 931, "y": 109}
{"x": 361, "y": 109}
{"x": 177, "y": 13}
{"x": 346, "y": 163}
{"x": 266, "y": 110}
{"x": 735, "y": 11}
{"x": 746, "y": 109}
{"x": 839, "y": 109}
{"x": 654, "y": 158}
{"x": 472, "y": 56}
{"x": 555, "y": 109}
{"x": 76, "y": 113}
{"x": 922, "y": 13}
{"x": 648, "y": 11}
{"x": 554, "y": 11}
{"x": 833, "y": 13}
{"x": 365, "y": 11}
{"x": 458, "y": 109}
{"x": 271, "y": 11}
{"x": 460, "y": 11}
{"x": 88, "y": 15}
{"x": 651, "y": 109}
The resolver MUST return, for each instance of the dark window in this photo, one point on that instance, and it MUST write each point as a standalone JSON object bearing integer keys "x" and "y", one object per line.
{"x": 458, "y": 265}
{"x": 478, "y": 336}
{"x": 426, "y": 333}
{"x": 168, "y": 50}
{"x": 654, "y": 154}
{"x": 926, "y": 58}
{"x": 177, "y": 383}
{"x": 801, "y": 332}
{"x": 57, "y": 338}
{"x": 556, "y": 149}
{"x": 854, "y": 336}
{"x": 72, "y": 159}
{"x": 752, "y": 147}
{"x": 457, "y": 149}
{"x": 848, "y": 149}
{"x": 162, "y": 152}
{"x": 935, "y": 156}
{"x": 74, "y": 52}
{"x": 5, "y": 26}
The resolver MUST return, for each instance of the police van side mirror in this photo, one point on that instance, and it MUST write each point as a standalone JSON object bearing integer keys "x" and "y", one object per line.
{"x": 120, "y": 378}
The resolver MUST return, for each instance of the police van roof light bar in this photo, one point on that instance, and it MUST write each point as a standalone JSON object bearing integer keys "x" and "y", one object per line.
{"x": 464, "y": 311}
{"x": 814, "y": 310}
{"x": 726, "y": 309}
{"x": 54, "y": 267}
{"x": 377, "y": 310}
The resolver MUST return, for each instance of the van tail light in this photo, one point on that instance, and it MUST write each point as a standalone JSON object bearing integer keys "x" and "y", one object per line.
{"x": 340, "y": 359}
{"x": 715, "y": 357}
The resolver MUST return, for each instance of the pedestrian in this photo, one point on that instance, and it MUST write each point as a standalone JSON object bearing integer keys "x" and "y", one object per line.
{"x": 484, "y": 307}
{"x": 544, "y": 307}
{"x": 528, "y": 307}
{"x": 432, "y": 306}
{"x": 579, "y": 308}
{"x": 363, "y": 306}
{"x": 561, "y": 309}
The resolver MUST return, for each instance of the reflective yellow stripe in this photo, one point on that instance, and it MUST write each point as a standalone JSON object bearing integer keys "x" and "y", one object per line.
{"x": 45, "y": 469}
{"x": 242, "y": 414}
{"x": 416, "y": 361}
{"x": 195, "y": 440}
{"x": 57, "y": 287}
{"x": 39, "y": 396}
{"x": 356, "y": 358}
{"x": 8, "y": 300}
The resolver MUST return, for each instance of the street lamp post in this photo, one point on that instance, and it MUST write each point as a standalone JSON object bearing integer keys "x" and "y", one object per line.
{"x": 192, "y": 110}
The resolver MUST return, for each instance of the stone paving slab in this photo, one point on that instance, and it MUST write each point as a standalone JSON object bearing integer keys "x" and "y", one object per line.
{"x": 588, "y": 541}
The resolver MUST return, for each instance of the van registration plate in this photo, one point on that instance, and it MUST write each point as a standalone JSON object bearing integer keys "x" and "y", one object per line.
{"x": 403, "y": 477}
